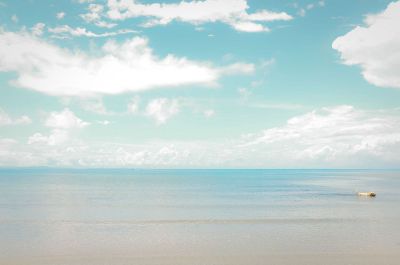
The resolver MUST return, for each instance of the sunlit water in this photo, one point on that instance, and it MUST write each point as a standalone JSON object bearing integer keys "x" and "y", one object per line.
{"x": 205, "y": 217}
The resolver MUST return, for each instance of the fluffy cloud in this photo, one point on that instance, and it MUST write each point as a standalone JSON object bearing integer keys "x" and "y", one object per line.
{"x": 61, "y": 124}
{"x": 5, "y": 119}
{"x": 249, "y": 26}
{"x": 60, "y": 15}
{"x": 127, "y": 67}
{"x": 340, "y": 136}
{"x": 95, "y": 16}
{"x": 375, "y": 47}
{"x": 162, "y": 109}
{"x": 231, "y": 12}
{"x": 37, "y": 29}
{"x": 55, "y": 137}
{"x": 65, "y": 119}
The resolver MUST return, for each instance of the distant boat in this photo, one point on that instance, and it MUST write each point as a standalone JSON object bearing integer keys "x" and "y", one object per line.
{"x": 370, "y": 194}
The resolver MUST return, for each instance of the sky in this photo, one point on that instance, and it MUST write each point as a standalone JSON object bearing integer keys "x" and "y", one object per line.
{"x": 200, "y": 84}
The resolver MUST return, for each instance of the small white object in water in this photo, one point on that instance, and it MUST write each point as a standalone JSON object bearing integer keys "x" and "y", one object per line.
{"x": 370, "y": 194}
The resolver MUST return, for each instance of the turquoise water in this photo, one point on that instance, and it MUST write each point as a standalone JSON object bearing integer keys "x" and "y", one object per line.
{"x": 122, "y": 216}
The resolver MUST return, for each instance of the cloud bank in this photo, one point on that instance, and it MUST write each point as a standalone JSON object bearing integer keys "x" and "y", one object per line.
{"x": 340, "y": 136}
{"x": 335, "y": 136}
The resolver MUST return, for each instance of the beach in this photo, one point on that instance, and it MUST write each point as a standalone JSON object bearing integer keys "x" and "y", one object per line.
{"x": 199, "y": 217}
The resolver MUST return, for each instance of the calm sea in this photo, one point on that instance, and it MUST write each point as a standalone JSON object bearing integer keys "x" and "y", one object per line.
{"x": 204, "y": 217}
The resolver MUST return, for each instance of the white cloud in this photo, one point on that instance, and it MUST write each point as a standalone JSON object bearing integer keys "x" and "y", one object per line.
{"x": 62, "y": 124}
{"x": 267, "y": 63}
{"x": 209, "y": 113}
{"x": 23, "y": 120}
{"x": 237, "y": 68}
{"x": 302, "y": 11}
{"x": 104, "y": 122}
{"x": 231, "y": 12}
{"x": 375, "y": 47}
{"x": 95, "y": 16}
{"x": 133, "y": 105}
{"x": 65, "y": 119}
{"x": 127, "y": 67}
{"x": 340, "y": 136}
{"x": 60, "y": 15}
{"x": 65, "y": 30}
{"x": 37, "y": 29}
{"x": 14, "y": 18}
{"x": 5, "y": 119}
{"x": 7, "y": 141}
{"x": 314, "y": 5}
{"x": 244, "y": 93}
{"x": 337, "y": 136}
{"x": 95, "y": 105}
{"x": 56, "y": 137}
{"x": 105, "y": 24}
{"x": 8, "y": 153}
{"x": 162, "y": 109}
{"x": 248, "y": 26}
{"x": 278, "y": 106}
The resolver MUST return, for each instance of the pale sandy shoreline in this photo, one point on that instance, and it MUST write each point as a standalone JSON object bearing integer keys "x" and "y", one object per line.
{"x": 273, "y": 259}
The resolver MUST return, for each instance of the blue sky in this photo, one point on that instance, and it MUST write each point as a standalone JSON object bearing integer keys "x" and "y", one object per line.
{"x": 211, "y": 83}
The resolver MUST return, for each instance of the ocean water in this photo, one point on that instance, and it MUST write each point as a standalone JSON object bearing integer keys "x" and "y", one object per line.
{"x": 202, "y": 217}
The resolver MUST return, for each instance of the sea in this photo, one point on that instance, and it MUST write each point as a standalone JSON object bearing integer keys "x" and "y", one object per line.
{"x": 199, "y": 216}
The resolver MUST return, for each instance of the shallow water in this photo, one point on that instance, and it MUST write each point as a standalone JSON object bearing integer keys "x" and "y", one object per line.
{"x": 198, "y": 217}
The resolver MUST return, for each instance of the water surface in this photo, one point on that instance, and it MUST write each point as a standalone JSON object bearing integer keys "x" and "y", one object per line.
{"x": 126, "y": 216}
